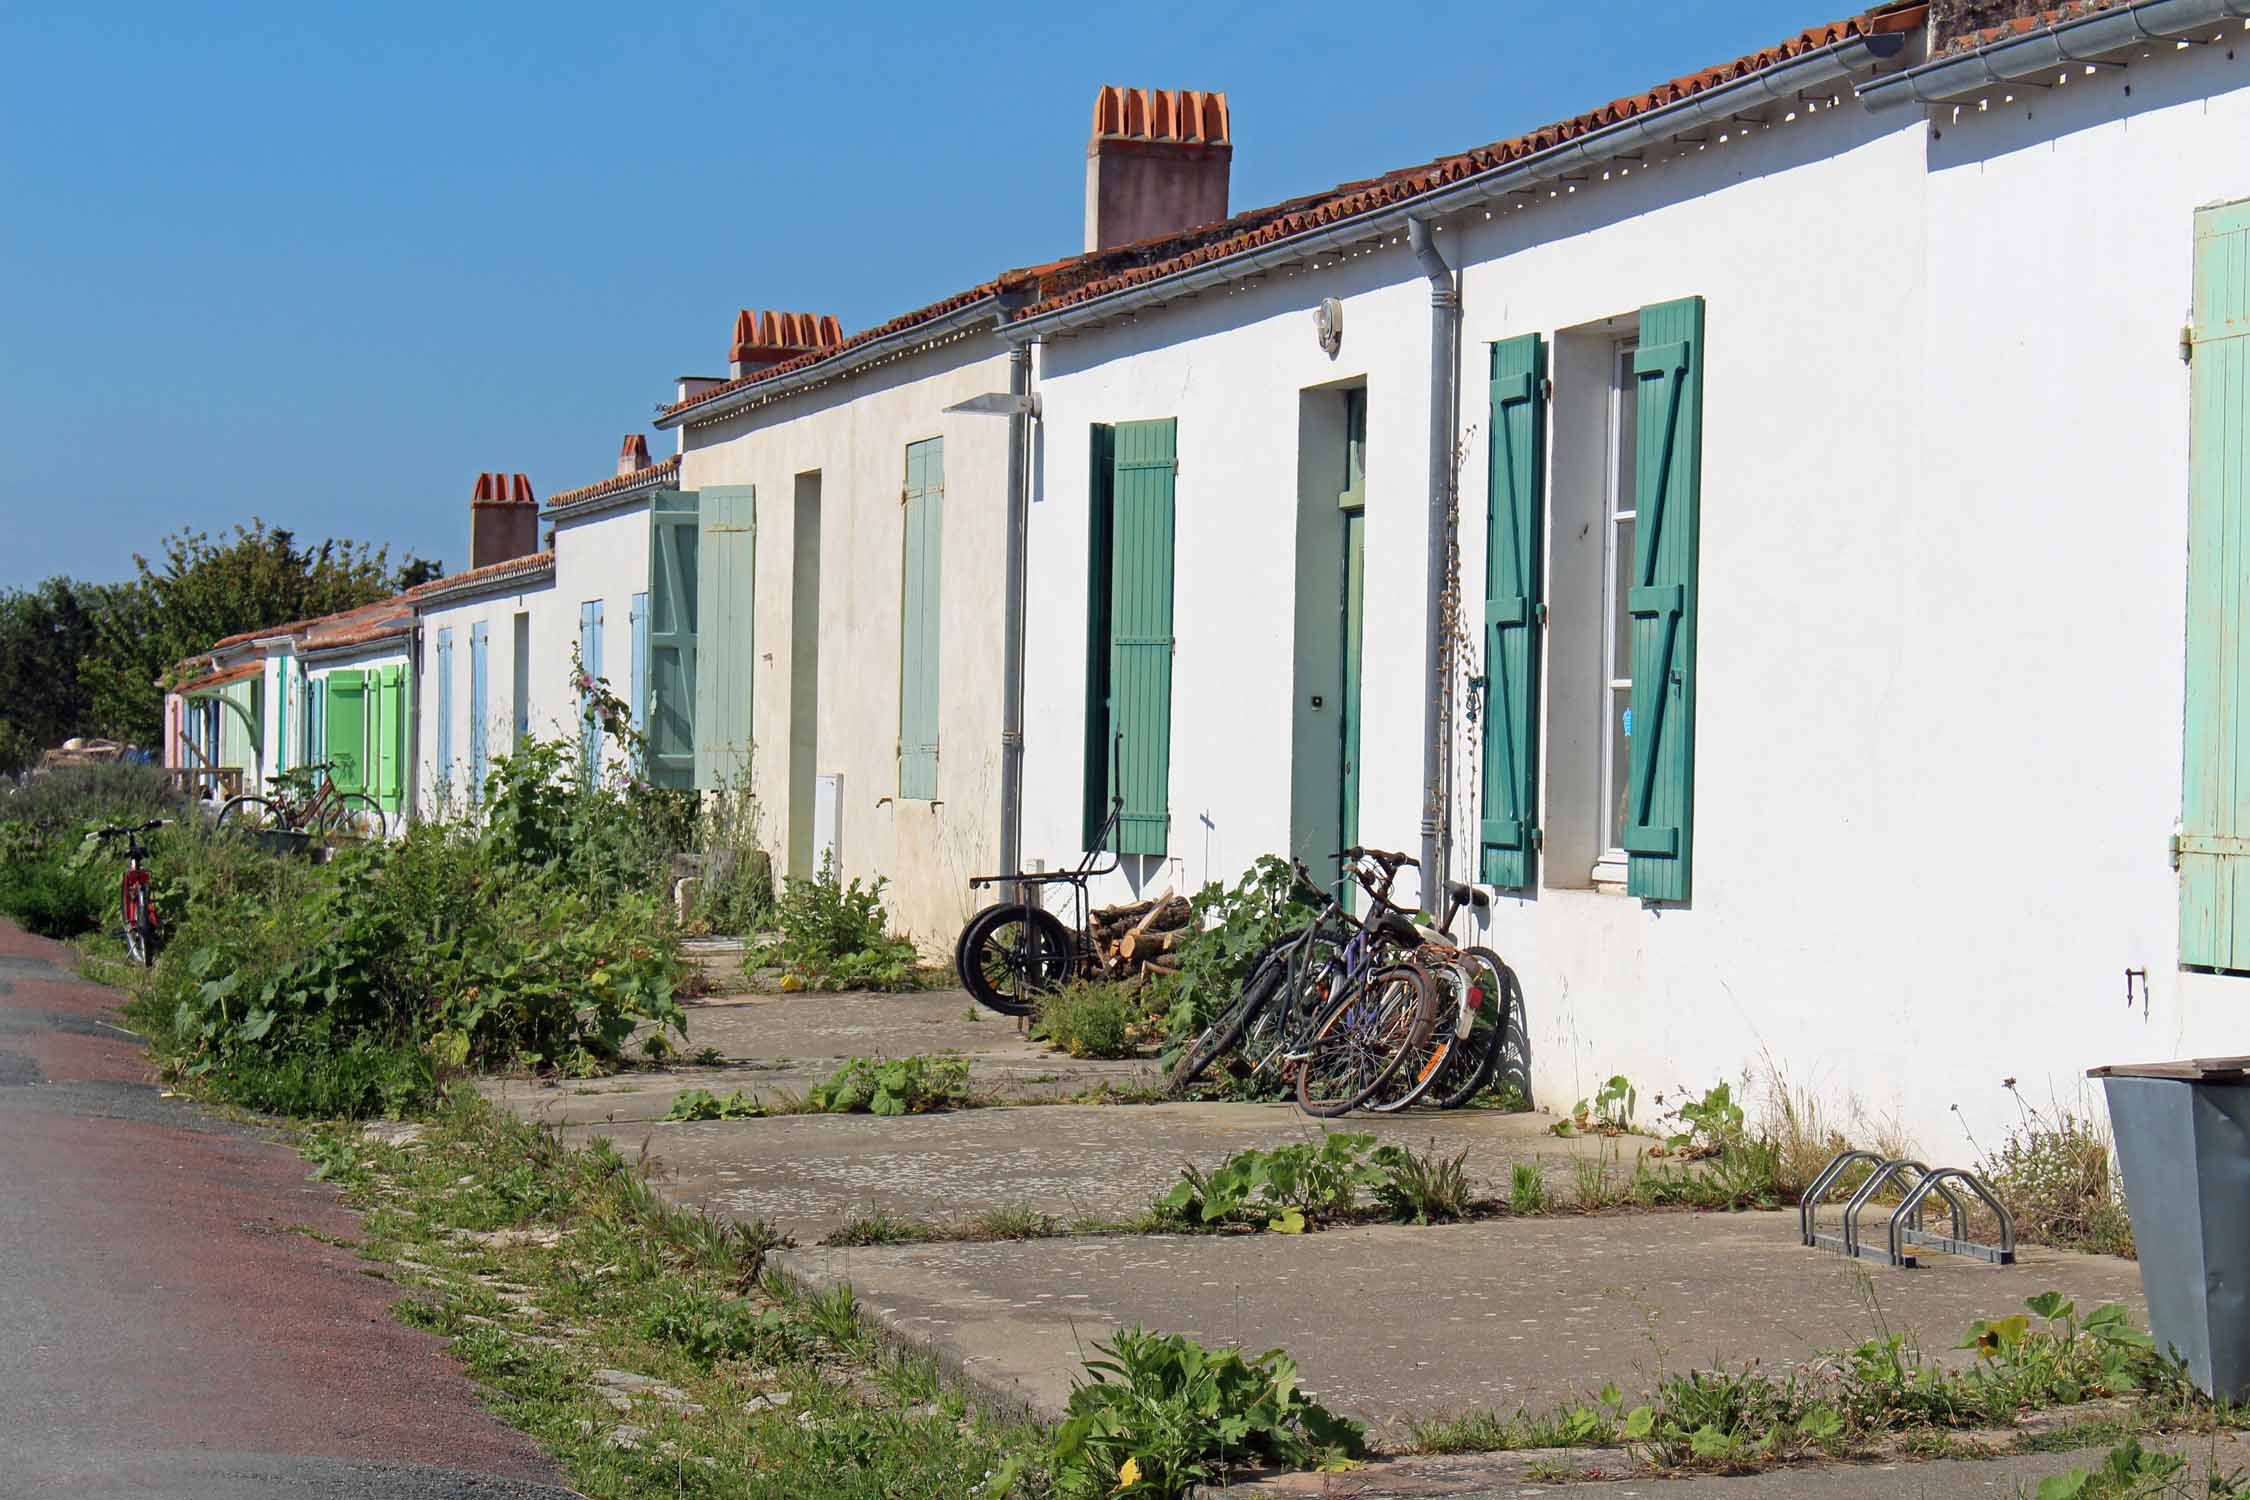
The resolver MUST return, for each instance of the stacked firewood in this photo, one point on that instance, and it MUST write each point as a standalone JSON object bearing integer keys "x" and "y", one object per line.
{"x": 1134, "y": 943}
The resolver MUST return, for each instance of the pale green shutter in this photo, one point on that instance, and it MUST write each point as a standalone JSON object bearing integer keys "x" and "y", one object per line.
{"x": 725, "y": 595}
{"x": 1140, "y": 686}
{"x": 389, "y": 749}
{"x": 347, "y": 730}
{"x": 924, "y": 517}
{"x": 1513, "y": 568}
{"x": 2214, "y": 844}
{"x": 1660, "y": 800}
{"x": 673, "y": 524}
{"x": 1101, "y": 537}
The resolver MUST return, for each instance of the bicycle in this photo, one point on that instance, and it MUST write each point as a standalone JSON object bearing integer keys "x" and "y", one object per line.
{"x": 1340, "y": 1007}
{"x": 297, "y": 804}
{"x": 142, "y": 935}
{"x": 1012, "y": 952}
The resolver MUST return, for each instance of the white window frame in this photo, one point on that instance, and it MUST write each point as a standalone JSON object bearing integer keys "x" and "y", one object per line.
{"x": 1618, "y": 500}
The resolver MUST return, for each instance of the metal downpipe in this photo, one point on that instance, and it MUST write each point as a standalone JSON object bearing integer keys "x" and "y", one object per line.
{"x": 1011, "y": 657}
{"x": 1445, "y": 322}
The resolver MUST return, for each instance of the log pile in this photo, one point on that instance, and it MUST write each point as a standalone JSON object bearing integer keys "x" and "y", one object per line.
{"x": 1135, "y": 942}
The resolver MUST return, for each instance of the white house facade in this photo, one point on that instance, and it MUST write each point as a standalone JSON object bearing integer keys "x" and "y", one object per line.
{"x": 1824, "y": 673}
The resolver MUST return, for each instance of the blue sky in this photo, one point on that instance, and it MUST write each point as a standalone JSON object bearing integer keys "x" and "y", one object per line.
{"x": 322, "y": 264}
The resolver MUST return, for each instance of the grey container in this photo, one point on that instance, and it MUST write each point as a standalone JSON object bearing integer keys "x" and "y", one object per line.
{"x": 2183, "y": 1144}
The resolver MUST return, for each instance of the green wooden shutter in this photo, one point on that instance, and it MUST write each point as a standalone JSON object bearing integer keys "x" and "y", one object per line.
{"x": 673, "y": 526}
{"x": 919, "y": 669}
{"x": 1667, "y": 482}
{"x": 2214, "y": 842}
{"x": 389, "y": 749}
{"x": 1141, "y": 629}
{"x": 347, "y": 730}
{"x": 725, "y": 597}
{"x": 1513, "y": 569}
{"x": 1101, "y": 535}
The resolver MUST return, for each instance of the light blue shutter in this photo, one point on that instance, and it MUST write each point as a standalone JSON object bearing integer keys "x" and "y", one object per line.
{"x": 924, "y": 505}
{"x": 480, "y": 655}
{"x": 316, "y": 720}
{"x": 1668, "y": 457}
{"x": 445, "y": 708}
{"x": 1140, "y": 679}
{"x": 1513, "y": 565}
{"x": 590, "y": 662}
{"x": 639, "y": 617}
{"x": 725, "y": 635}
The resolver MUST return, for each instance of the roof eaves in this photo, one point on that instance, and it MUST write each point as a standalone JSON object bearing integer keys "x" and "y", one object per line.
{"x": 1363, "y": 210}
{"x": 652, "y": 477}
{"x": 492, "y": 577}
{"x": 2054, "y": 41}
{"x": 909, "y": 333}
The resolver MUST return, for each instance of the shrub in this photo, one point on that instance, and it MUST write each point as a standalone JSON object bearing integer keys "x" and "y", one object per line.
{"x": 54, "y": 895}
{"x": 900, "y": 1086}
{"x": 69, "y": 799}
{"x": 1287, "y": 1190}
{"x": 1162, "y": 1413}
{"x": 835, "y": 936}
{"x": 736, "y": 894}
{"x": 2057, "y": 1177}
{"x": 1087, "y": 1019}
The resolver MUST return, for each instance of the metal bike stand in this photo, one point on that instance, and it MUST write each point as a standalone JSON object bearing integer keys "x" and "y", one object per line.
{"x": 1904, "y": 1231}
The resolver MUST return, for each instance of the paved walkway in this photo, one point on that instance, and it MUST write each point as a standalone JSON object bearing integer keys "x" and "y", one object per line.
{"x": 1384, "y": 1321}
{"x": 167, "y": 1325}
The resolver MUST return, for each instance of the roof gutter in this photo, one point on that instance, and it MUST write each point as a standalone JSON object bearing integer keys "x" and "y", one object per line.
{"x": 1781, "y": 83}
{"x": 985, "y": 310}
{"x": 2051, "y": 48}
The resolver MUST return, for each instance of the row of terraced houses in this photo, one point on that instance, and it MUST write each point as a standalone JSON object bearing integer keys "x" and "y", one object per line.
{"x": 1782, "y": 533}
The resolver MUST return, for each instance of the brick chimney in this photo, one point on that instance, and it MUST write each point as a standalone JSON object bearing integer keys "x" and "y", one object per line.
{"x": 633, "y": 457}
{"x": 762, "y": 340}
{"x": 503, "y": 520}
{"x": 1157, "y": 164}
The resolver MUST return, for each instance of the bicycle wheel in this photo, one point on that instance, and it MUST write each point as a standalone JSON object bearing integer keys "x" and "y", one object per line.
{"x": 1227, "y": 1027}
{"x": 1494, "y": 1023}
{"x": 140, "y": 929}
{"x": 355, "y": 815}
{"x": 1429, "y": 1060}
{"x": 1012, "y": 953}
{"x": 1363, "y": 1039}
{"x": 247, "y": 812}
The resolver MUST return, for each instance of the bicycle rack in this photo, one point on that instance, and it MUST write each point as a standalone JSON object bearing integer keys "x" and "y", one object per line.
{"x": 1904, "y": 1233}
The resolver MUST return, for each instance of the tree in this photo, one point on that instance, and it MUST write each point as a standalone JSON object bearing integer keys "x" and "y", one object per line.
{"x": 47, "y": 635}
{"x": 256, "y": 579}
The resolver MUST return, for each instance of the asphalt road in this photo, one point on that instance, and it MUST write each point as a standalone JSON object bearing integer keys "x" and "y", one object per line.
{"x": 166, "y": 1329}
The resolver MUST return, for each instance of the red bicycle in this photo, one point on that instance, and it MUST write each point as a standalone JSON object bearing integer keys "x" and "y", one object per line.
{"x": 141, "y": 933}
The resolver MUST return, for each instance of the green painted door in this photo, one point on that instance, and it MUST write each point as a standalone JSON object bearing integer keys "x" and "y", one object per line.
{"x": 2214, "y": 841}
{"x": 725, "y": 597}
{"x": 1141, "y": 630}
{"x": 1352, "y": 501}
{"x": 673, "y": 527}
{"x": 347, "y": 730}
{"x": 1668, "y": 476}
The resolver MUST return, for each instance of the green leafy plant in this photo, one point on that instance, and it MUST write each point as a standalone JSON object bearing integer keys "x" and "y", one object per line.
{"x": 2057, "y": 1176}
{"x": 1609, "y": 1112}
{"x": 1708, "y": 1123}
{"x": 1286, "y": 1190}
{"x": 707, "y": 1327}
{"x": 1422, "y": 1189}
{"x": 2130, "y": 1471}
{"x": 702, "y": 1104}
{"x": 1089, "y": 1019}
{"x": 896, "y": 1086}
{"x": 834, "y": 935}
{"x": 1527, "y": 1188}
{"x": 1161, "y": 1414}
{"x": 1232, "y": 926}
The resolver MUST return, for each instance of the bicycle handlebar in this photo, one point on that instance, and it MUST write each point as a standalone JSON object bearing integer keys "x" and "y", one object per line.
{"x": 1388, "y": 858}
{"x": 121, "y": 831}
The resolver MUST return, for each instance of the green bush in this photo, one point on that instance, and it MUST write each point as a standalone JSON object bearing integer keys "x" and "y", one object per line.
{"x": 1287, "y": 1190}
{"x": 1088, "y": 1019}
{"x": 67, "y": 800}
{"x": 708, "y": 1328}
{"x": 702, "y": 1104}
{"x": 55, "y": 895}
{"x": 2057, "y": 1177}
{"x": 1232, "y": 927}
{"x": 899, "y": 1086}
{"x": 835, "y": 936}
{"x": 1162, "y": 1414}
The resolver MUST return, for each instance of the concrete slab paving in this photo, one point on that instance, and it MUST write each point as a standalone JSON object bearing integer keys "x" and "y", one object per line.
{"x": 855, "y": 1023}
{"x": 809, "y": 1173}
{"x": 1392, "y": 1320}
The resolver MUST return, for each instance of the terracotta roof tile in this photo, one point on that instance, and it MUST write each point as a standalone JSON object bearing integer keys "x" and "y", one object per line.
{"x": 813, "y": 357}
{"x": 240, "y": 672}
{"x": 530, "y": 562}
{"x": 668, "y": 469}
{"x": 1158, "y": 258}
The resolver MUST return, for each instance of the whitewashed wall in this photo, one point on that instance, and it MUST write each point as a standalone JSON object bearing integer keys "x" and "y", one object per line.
{"x": 1943, "y": 560}
{"x": 855, "y": 434}
{"x": 442, "y": 788}
{"x": 603, "y": 557}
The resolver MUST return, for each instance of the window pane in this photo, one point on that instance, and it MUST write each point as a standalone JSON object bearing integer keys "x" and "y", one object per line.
{"x": 1621, "y": 584}
{"x": 1620, "y": 761}
{"x": 1628, "y": 427}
